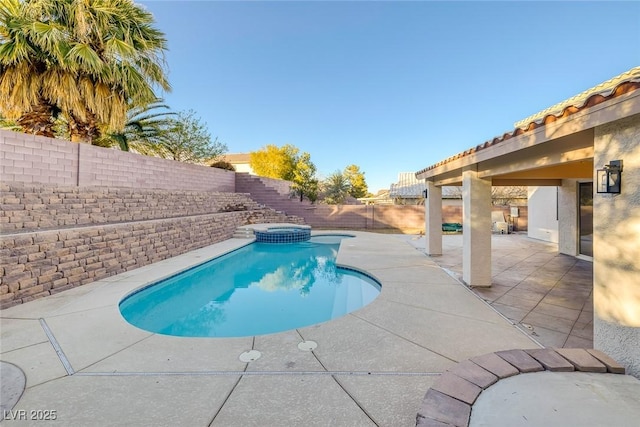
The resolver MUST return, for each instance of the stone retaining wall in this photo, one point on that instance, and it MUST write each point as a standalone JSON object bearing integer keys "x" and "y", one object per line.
{"x": 27, "y": 207}
{"x": 38, "y": 264}
{"x": 55, "y": 238}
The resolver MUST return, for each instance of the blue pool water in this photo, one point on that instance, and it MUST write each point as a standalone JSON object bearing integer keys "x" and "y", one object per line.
{"x": 259, "y": 289}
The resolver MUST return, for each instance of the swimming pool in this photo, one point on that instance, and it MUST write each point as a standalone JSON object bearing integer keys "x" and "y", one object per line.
{"x": 258, "y": 289}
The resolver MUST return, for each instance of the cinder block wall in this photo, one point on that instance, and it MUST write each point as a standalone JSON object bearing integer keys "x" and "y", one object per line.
{"x": 37, "y": 159}
{"x": 407, "y": 218}
{"x": 247, "y": 183}
{"x": 56, "y": 238}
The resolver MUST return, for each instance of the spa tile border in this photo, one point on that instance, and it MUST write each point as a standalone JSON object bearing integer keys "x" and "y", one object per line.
{"x": 449, "y": 401}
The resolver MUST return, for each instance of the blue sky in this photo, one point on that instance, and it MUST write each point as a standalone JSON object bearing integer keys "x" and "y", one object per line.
{"x": 388, "y": 86}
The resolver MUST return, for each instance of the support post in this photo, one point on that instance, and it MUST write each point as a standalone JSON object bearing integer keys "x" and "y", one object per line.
{"x": 433, "y": 220}
{"x": 476, "y": 230}
{"x": 568, "y": 236}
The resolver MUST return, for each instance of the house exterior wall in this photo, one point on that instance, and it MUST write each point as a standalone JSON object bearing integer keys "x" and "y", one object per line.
{"x": 543, "y": 218}
{"x": 243, "y": 168}
{"x": 37, "y": 159}
{"x": 616, "y": 241}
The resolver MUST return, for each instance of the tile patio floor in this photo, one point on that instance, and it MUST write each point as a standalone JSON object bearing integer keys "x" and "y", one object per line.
{"x": 546, "y": 294}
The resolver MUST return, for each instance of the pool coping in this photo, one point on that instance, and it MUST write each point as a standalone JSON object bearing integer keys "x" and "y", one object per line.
{"x": 450, "y": 400}
{"x": 269, "y": 226}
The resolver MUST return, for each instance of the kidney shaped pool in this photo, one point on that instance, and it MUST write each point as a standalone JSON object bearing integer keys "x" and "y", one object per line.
{"x": 258, "y": 289}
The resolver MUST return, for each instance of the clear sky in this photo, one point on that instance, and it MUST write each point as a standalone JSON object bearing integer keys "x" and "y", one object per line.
{"x": 389, "y": 86}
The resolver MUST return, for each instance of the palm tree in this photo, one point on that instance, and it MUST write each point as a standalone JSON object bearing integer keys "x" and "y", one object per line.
{"x": 143, "y": 130}
{"x": 336, "y": 188}
{"x": 89, "y": 60}
{"x": 21, "y": 66}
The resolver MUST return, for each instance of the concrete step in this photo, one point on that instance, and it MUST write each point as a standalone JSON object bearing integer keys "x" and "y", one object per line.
{"x": 243, "y": 233}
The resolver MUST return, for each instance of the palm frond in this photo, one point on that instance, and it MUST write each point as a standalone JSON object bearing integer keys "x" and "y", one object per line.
{"x": 92, "y": 59}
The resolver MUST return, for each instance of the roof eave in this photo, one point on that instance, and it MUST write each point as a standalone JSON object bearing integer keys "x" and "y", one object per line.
{"x": 587, "y": 117}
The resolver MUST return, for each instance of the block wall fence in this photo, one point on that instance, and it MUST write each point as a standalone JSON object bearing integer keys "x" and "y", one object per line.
{"x": 74, "y": 213}
{"x": 407, "y": 218}
{"x": 37, "y": 159}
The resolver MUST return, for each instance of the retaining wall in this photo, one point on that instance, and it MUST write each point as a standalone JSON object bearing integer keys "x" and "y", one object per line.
{"x": 27, "y": 207}
{"x": 56, "y": 238}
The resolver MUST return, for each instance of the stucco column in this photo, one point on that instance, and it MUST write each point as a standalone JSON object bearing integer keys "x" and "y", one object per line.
{"x": 616, "y": 247}
{"x": 476, "y": 230}
{"x": 568, "y": 237}
{"x": 433, "y": 220}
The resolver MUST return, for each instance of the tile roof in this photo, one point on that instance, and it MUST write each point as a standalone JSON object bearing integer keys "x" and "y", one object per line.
{"x": 237, "y": 158}
{"x": 408, "y": 186}
{"x": 620, "y": 85}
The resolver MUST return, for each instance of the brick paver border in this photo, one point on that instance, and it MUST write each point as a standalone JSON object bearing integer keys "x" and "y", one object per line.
{"x": 449, "y": 401}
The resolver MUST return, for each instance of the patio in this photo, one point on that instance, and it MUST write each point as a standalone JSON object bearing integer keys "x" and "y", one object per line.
{"x": 371, "y": 367}
{"x": 547, "y": 294}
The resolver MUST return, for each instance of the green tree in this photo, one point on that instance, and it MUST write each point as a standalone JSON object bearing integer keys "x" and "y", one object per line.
{"x": 357, "y": 182}
{"x": 185, "y": 138}
{"x": 223, "y": 164}
{"x": 336, "y": 188}
{"x": 7, "y": 124}
{"x": 305, "y": 183}
{"x": 87, "y": 60}
{"x": 275, "y": 162}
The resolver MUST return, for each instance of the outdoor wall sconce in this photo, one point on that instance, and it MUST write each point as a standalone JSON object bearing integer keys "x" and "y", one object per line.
{"x": 425, "y": 193}
{"x": 609, "y": 179}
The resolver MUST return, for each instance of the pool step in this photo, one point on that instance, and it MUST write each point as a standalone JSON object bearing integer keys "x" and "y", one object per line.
{"x": 243, "y": 233}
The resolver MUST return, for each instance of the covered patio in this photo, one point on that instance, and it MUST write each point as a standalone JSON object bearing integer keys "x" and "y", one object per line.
{"x": 562, "y": 147}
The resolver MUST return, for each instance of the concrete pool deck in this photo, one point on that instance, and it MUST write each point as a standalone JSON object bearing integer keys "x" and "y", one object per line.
{"x": 371, "y": 367}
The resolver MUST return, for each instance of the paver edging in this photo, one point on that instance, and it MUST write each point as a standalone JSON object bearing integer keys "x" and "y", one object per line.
{"x": 459, "y": 387}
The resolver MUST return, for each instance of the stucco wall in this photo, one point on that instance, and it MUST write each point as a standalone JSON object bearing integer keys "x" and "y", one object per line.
{"x": 543, "y": 217}
{"x": 36, "y": 159}
{"x": 616, "y": 241}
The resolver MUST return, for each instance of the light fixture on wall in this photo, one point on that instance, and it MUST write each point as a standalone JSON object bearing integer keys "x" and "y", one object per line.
{"x": 609, "y": 179}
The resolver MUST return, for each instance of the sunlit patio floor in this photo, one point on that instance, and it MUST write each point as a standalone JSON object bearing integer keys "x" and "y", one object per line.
{"x": 371, "y": 367}
{"x": 547, "y": 294}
